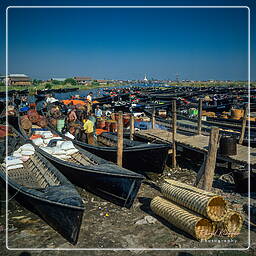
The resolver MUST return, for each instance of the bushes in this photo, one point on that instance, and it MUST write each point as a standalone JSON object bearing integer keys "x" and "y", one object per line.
{"x": 70, "y": 81}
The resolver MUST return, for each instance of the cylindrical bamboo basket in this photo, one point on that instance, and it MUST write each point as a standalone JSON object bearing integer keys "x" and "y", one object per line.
{"x": 188, "y": 187}
{"x": 211, "y": 206}
{"x": 231, "y": 224}
{"x": 237, "y": 113}
{"x": 197, "y": 226}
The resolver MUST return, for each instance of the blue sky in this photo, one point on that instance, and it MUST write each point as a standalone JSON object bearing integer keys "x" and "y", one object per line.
{"x": 198, "y": 44}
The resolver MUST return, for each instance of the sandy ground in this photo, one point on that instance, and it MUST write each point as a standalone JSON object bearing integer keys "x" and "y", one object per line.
{"x": 106, "y": 225}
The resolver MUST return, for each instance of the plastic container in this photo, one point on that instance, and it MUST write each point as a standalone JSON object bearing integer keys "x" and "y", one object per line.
{"x": 60, "y": 124}
{"x": 228, "y": 146}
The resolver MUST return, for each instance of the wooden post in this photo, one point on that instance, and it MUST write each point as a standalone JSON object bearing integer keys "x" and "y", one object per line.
{"x": 199, "y": 121}
{"x": 153, "y": 120}
{"x": 200, "y": 172}
{"x": 211, "y": 159}
{"x": 131, "y": 126}
{"x": 243, "y": 125}
{"x": 174, "y": 128}
{"x": 120, "y": 139}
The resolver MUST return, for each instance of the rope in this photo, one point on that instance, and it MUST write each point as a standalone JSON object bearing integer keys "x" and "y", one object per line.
{"x": 4, "y": 201}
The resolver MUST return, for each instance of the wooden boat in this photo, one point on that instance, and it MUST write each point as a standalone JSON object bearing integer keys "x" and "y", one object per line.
{"x": 42, "y": 189}
{"x": 137, "y": 156}
{"x": 101, "y": 177}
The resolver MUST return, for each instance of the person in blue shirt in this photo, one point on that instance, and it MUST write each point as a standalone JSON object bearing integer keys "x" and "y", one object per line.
{"x": 98, "y": 112}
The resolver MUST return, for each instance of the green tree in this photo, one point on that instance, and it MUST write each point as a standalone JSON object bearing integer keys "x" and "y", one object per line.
{"x": 36, "y": 82}
{"x": 56, "y": 82}
{"x": 70, "y": 81}
{"x": 48, "y": 86}
{"x": 2, "y": 84}
{"x": 95, "y": 83}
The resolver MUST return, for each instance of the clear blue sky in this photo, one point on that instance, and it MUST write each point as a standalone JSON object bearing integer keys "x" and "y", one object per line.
{"x": 198, "y": 44}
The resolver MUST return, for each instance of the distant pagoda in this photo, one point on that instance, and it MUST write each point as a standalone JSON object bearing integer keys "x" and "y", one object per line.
{"x": 145, "y": 79}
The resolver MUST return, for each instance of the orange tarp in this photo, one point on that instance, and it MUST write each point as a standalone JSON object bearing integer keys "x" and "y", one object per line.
{"x": 100, "y": 131}
{"x": 74, "y": 102}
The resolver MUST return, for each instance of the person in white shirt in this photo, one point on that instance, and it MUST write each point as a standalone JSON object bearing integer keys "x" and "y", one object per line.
{"x": 50, "y": 99}
{"x": 89, "y": 102}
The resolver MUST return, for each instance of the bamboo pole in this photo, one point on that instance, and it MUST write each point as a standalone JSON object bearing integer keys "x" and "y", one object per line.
{"x": 211, "y": 159}
{"x": 243, "y": 125}
{"x": 131, "y": 126}
{"x": 199, "y": 121}
{"x": 174, "y": 129}
{"x": 120, "y": 139}
{"x": 153, "y": 120}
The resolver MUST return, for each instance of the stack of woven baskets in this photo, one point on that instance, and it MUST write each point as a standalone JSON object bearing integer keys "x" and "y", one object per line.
{"x": 200, "y": 213}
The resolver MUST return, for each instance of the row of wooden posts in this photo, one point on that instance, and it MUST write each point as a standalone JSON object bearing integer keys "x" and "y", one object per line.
{"x": 206, "y": 171}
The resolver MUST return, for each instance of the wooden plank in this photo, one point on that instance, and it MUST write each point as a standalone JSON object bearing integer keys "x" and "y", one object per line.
{"x": 120, "y": 139}
{"x": 199, "y": 121}
{"x": 198, "y": 143}
{"x": 243, "y": 125}
{"x": 210, "y": 162}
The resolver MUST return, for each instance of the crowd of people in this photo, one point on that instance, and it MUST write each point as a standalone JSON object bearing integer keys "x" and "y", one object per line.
{"x": 78, "y": 121}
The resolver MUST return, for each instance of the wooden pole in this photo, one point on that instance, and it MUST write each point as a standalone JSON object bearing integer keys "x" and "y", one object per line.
{"x": 199, "y": 121}
{"x": 211, "y": 159}
{"x": 131, "y": 126}
{"x": 153, "y": 120}
{"x": 200, "y": 173}
{"x": 174, "y": 129}
{"x": 120, "y": 139}
{"x": 243, "y": 125}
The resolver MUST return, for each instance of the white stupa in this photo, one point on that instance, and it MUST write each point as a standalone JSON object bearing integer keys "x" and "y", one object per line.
{"x": 145, "y": 78}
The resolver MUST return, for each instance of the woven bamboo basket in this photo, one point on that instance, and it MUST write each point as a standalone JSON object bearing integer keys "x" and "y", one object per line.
{"x": 188, "y": 187}
{"x": 195, "y": 225}
{"x": 231, "y": 224}
{"x": 209, "y": 205}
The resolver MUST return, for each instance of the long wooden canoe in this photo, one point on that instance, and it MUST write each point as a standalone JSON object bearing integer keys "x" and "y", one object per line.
{"x": 101, "y": 177}
{"x": 42, "y": 189}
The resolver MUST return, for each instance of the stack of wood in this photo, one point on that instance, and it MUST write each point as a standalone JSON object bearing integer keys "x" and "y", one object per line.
{"x": 200, "y": 213}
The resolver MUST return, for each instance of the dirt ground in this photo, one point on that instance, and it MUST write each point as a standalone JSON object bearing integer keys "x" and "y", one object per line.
{"x": 106, "y": 225}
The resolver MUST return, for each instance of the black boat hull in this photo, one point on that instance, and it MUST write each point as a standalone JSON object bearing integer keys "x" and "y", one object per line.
{"x": 109, "y": 181}
{"x": 141, "y": 159}
{"x": 116, "y": 188}
{"x": 63, "y": 219}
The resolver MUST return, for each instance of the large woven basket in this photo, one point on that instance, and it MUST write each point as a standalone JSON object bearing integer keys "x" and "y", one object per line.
{"x": 188, "y": 187}
{"x": 231, "y": 224}
{"x": 209, "y": 205}
{"x": 195, "y": 225}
